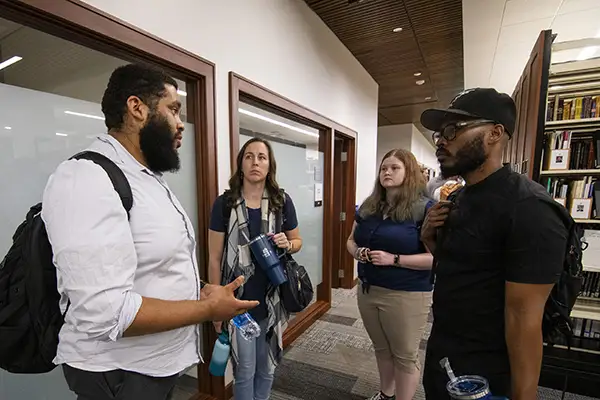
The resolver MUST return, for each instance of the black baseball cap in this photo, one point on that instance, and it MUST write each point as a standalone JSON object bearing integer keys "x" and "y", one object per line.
{"x": 477, "y": 103}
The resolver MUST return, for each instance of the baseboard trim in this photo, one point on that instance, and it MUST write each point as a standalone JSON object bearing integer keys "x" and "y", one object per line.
{"x": 303, "y": 321}
{"x": 229, "y": 391}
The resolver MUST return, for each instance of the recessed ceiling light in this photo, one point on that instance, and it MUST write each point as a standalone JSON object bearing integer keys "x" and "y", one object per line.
{"x": 417, "y": 74}
{"x": 420, "y": 82}
{"x": 8, "y": 128}
{"x": 396, "y": 30}
{"x": 61, "y": 134}
{"x": 181, "y": 92}
{"x": 428, "y": 98}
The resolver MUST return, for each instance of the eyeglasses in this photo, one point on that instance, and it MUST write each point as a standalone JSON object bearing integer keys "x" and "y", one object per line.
{"x": 449, "y": 131}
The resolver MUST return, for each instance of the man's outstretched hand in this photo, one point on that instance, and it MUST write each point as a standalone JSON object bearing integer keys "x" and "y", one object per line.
{"x": 223, "y": 304}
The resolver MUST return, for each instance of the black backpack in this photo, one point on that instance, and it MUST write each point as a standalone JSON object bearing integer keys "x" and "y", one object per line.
{"x": 557, "y": 325}
{"x": 30, "y": 317}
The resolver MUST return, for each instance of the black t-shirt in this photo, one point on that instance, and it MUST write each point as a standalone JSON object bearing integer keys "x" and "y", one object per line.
{"x": 505, "y": 228}
{"x": 256, "y": 287}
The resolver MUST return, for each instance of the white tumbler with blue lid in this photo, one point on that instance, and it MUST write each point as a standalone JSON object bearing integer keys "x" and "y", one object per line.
{"x": 467, "y": 387}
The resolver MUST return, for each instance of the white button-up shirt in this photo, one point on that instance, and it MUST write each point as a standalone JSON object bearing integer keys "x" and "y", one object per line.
{"x": 105, "y": 264}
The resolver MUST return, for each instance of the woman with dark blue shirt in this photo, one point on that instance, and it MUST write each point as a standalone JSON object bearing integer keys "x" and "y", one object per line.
{"x": 253, "y": 205}
{"x": 394, "y": 296}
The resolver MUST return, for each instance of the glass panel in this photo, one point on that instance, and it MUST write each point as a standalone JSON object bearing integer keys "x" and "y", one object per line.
{"x": 300, "y": 165}
{"x": 51, "y": 110}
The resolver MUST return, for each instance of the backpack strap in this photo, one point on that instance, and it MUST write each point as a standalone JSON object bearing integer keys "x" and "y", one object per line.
{"x": 226, "y": 210}
{"x": 418, "y": 211}
{"x": 116, "y": 175}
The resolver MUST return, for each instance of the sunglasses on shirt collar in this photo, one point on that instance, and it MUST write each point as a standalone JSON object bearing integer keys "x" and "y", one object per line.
{"x": 449, "y": 131}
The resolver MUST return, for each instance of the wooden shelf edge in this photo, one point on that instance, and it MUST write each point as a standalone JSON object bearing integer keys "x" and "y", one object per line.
{"x": 587, "y": 221}
{"x": 550, "y": 172}
{"x": 585, "y": 122}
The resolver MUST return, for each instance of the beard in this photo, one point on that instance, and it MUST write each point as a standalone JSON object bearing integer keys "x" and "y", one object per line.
{"x": 470, "y": 157}
{"x": 157, "y": 142}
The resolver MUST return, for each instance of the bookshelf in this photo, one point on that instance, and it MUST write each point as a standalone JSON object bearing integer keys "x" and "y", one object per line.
{"x": 557, "y": 143}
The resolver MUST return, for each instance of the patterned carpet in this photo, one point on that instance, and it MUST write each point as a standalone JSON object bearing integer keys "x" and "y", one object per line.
{"x": 334, "y": 360}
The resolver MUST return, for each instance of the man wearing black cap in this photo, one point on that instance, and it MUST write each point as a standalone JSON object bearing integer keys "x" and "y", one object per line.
{"x": 499, "y": 247}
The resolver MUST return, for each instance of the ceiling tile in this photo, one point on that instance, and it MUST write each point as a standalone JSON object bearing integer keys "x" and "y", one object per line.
{"x": 508, "y": 67}
{"x": 519, "y": 11}
{"x": 577, "y": 25}
{"x": 570, "y": 6}
{"x": 482, "y": 20}
{"x": 526, "y": 32}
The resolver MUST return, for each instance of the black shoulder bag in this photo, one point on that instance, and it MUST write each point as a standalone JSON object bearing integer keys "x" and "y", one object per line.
{"x": 297, "y": 292}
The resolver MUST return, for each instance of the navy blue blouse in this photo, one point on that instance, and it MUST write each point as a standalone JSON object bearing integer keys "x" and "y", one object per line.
{"x": 401, "y": 238}
{"x": 256, "y": 287}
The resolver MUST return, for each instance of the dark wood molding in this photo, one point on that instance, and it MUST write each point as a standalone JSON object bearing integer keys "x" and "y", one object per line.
{"x": 240, "y": 87}
{"x": 350, "y": 206}
{"x": 327, "y": 145}
{"x": 229, "y": 391}
{"x": 81, "y": 23}
{"x": 304, "y": 320}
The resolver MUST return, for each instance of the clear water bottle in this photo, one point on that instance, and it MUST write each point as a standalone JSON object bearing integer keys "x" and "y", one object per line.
{"x": 247, "y": 326}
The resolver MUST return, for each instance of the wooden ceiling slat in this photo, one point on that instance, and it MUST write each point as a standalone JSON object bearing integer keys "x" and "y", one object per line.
{"x": 430, "y": 43}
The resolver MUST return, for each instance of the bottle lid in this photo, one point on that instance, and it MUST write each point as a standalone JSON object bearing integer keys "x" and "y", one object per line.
{"x": 468, "y": 387}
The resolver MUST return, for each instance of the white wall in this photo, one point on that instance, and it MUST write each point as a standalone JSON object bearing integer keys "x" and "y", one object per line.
{"x": 423, "y": 149}
{"x": 280, "y": 44}
{"x": 408, "y": 137}
{"x": 498, "y": 35}
{"x": 392, "y": 137}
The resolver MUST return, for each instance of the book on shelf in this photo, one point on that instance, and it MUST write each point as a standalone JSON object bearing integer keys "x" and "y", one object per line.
{"x": 559, "y": 140}
{"x": 590, "y": 287}
{"x": 564, "y": 150}
{"x": 576, "y": 195}
{"x": 566, "y": 109}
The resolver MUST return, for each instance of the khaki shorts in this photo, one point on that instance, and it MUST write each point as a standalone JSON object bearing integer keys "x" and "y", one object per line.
{"x": 395, "y": 321}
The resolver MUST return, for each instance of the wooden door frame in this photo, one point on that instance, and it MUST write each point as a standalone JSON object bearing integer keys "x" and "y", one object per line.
{"x": 340, "y": 236}
{"x": 240, "y": 86}
{"x": 78, "y": 22}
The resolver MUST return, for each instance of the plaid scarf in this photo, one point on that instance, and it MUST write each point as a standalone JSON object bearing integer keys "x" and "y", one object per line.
{"x": 237, "y": 260}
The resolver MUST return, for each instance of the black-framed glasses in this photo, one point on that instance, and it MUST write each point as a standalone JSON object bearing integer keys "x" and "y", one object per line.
{"x": 449, "y": 131}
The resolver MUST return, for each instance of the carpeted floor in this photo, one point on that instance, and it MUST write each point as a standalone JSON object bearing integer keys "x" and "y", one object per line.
{"x": 334, "y": 360}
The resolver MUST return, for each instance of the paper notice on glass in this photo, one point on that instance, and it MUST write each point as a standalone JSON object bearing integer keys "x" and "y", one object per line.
{"x": 318, "y": 174}
{"x": 318, "y": 194}
{"x": 591, "y": 255}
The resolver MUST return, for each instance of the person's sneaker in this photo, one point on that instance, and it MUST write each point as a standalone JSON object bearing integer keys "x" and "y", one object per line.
{"x": 381, "y": 396}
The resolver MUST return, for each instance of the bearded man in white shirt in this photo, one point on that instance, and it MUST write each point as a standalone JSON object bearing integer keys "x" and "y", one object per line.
{"x": 131, "y": 282}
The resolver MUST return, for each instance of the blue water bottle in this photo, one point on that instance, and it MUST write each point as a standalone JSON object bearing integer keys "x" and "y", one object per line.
{"x": 247, "y": 326}
{"x": 220, "y": 355}
{"x": 268, "y": 259}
